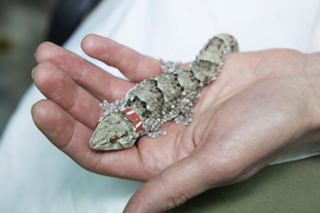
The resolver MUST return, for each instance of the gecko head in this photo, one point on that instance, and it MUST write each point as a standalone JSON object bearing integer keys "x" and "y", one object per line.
{"x": 114, "y": 131}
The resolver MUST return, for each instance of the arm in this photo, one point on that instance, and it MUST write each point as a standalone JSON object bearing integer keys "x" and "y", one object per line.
{"x": 262, "y": 105}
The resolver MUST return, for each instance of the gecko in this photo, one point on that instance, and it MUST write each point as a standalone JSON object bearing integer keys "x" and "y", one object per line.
{"x": 154, "y": 101}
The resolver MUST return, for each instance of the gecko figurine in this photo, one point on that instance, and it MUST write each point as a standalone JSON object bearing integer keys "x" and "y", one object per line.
{"x": 159, "y": 99}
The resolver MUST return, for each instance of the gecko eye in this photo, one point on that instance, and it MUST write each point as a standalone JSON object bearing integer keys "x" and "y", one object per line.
{"x": 114, "y": 139}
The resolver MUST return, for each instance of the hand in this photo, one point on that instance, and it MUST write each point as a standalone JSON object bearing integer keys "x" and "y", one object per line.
{"x": 262, "y": 105}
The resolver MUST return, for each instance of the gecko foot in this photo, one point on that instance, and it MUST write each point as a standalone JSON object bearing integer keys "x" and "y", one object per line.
{"x": 156, "y": 133}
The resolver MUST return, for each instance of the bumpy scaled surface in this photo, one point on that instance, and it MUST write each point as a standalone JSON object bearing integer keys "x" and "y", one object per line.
{"x": 154, "y": 101}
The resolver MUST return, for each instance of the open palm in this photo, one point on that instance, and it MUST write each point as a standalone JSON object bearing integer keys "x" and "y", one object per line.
{"x": 255, "y": 111}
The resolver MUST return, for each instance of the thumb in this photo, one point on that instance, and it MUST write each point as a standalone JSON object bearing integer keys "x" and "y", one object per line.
{"x": 172, "y": 187}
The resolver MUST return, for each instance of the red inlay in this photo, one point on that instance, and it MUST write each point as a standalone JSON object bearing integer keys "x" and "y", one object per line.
{"x": 132, "y": 116}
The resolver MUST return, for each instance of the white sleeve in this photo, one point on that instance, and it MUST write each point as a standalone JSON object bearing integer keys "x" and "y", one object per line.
{"x": 37, "y": 177}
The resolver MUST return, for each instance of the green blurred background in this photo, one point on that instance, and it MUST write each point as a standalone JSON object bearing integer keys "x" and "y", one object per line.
{"x": 24, "y": 24}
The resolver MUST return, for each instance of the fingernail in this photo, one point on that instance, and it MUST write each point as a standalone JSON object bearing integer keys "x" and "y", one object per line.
{"x": 32, "y": 72}
{"x": 32, "y": 107}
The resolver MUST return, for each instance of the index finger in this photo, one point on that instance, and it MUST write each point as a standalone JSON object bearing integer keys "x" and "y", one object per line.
{"x": 71, "y": 137}
{"x": 133, "y": 65}
{"x": 101, "y": 84}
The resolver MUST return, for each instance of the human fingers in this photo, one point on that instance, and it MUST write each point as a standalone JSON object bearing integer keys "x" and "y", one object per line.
{"x": 60, "y": 88}
{"x": 313, "y": 62}
{"x": 98, "y": 82}
{"x": 60, "y": 127}
{"x": 71, "y": 137}
{"x": 172, "y": 187}
{"x": 135, "y": 66}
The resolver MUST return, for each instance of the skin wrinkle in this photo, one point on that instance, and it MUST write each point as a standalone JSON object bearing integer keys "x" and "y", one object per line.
{"x": 138, "y": 64}
{"x": 206, "y": 123}
{"x": 242, "y": 72}
{"x": 74, "y": 105}
{"x": 173, "y": 203}
{"x": 227, "y": 158}
{"x": 256, "y": 115}
{"x": 177, "y": 200}
{"x": 304, "y": 109}
{"x": 305, "y": 72}
{"x": 120, "y": 58}
{"x": 274, "y": 105}
{"x": 314, "y": 110}
{"x": 263, "y": 65}
{"x": 186, "y": 150}
{"x": 112, "y": 92}
{"x": 249, "y": 170}
{"x": 81, "y": 79}
{"x": 100, "y": 164}
{"x": 158, "y": 166}
{"x": 94, "y": 118}
{"x": 198, "y": 131}
{"x": 97, "y": 164}
{"x": 56, "y": 92}
{"x": 82, "y": 71}
{"x": 144, "y": 168}
{"x": 218, "y": 138}
{"x": 111, "y": 84}
{"x": 70, "y": 140}
{"x": 226, "y": 174}
{"x": 161, "y": 165}
{"x": 164, "y": 163}
{"x": 219, "y": 144}
{"x": 302, "y": 105}
{"x": 163, "y": 184}
{"x": 115, "y": 92}
{"x": 141, "y": 164}
{"x": 74, "y": 101}
{"x": 219, "y": 94}
{"x": 91, "y": 167}
{"x": 65, "y": 147}
{"x": 145, "y": 162}
{"x": 197, "y": 158}
{"x": 154, "y": 193}
{"x": 60, "y": 63}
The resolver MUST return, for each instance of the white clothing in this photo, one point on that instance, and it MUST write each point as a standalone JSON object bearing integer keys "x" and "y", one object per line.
{"x": 37, "y": 177}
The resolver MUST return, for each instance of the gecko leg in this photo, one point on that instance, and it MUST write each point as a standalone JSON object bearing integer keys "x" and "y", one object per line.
{"x": 185, "y": 107}
{"x": 171, "y": 67}
{"x": 118, "y": 104}
{"x": 151, "y": 127}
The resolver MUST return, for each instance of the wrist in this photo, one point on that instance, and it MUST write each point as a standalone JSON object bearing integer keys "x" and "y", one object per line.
{"x": 311, "y": 96}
